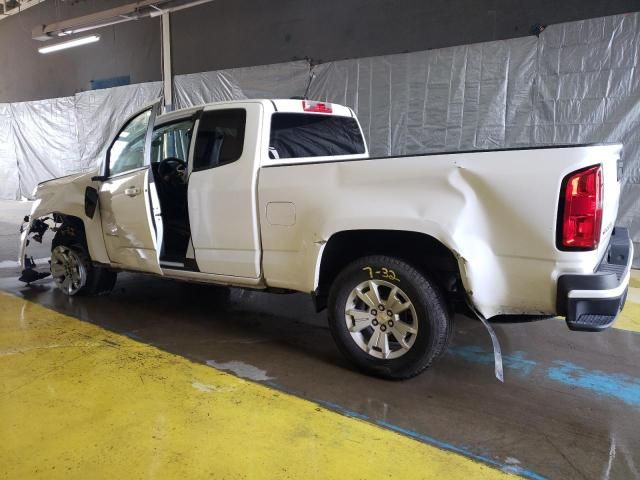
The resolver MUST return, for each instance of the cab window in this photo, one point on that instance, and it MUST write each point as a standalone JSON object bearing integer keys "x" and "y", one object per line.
{"x": 220, "y": 138}
{"x": 127, "y": 150}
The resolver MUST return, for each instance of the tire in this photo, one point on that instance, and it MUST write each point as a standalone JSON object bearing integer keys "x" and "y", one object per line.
{"x": 416, "y": 312}
{"x": 85, "y": 278}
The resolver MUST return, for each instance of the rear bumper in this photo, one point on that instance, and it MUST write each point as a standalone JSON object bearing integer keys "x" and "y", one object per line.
{"x": 592, "y": 302}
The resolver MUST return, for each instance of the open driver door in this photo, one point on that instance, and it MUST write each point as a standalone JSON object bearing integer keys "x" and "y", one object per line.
{"x": 128, "y": 200}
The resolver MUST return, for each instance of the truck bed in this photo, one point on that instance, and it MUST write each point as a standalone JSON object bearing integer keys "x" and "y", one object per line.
{"x": 496, "y": 210}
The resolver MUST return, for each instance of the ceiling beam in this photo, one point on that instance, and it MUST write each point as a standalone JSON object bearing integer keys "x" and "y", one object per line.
{"x": 112, "y": 16}
{"x": 22, "y": 6}
{"x": 104, "y": 18}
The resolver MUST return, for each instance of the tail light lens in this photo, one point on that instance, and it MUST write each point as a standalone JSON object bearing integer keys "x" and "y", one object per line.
{"x": 581, "y": 214}
{"x": 318, "y": 107}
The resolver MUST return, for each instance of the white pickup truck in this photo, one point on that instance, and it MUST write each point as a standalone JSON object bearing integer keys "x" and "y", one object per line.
{"x": 282, "y": 195}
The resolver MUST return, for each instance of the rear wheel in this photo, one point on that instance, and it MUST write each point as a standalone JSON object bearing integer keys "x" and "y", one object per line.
{"x": 73, "y": 272}
{"x": 387, "y": 317}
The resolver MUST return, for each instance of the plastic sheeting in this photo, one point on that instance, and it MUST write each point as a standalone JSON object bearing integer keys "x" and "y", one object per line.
{"x": 100, "y": 114}
{"x": 281, "y": 80}
{"x": 51, "y": 138}
{"x": 468, "y": 97}
{"x": 45, "y": 140}
{"x": 8, "y": 164}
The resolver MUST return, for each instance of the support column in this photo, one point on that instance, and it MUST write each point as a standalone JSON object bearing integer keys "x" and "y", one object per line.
{"x": 167, "y": 77}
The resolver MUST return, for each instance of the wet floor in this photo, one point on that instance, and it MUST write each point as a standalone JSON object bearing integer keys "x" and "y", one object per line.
{"x": 569, "y": 407}
{"x": 79, "y": 401}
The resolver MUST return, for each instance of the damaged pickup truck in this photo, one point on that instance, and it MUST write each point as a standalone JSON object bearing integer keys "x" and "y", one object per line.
{"x": 282, "y": 195}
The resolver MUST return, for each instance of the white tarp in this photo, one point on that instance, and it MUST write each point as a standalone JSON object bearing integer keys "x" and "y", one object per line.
{"x": 8, "y": 165}
{"x": 55, "y": 137}
{"x": 458, "y": 98}
{"x": 281, "y": 80}
{"x": 45, "y": 140}
{"x": 100, "y": 114}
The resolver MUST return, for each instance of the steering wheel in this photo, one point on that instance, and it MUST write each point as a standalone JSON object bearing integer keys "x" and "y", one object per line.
{"x": 173, "y": 171}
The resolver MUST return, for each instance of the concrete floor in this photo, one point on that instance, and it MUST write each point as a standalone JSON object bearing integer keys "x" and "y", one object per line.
{"x": 569, "y": 407}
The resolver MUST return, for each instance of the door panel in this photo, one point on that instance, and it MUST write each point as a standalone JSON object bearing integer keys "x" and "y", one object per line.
{"x": 222, "y": 196}
{"x": 126, "y": 210}
{"x": 129, "y": 206}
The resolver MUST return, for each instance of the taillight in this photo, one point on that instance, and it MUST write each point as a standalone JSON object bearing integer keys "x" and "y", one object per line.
{"x": 581, "y": 210}
{"x": 318, "y": 107}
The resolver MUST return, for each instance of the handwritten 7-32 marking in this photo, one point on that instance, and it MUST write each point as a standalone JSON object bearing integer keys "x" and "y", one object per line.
{"x": 383, "y": 272}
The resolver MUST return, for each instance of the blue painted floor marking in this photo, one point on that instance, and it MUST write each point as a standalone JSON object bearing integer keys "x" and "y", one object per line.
{"x": 515, "y": 361}
{"x": 620, "y": 386}
{"x": 615, "y": 385}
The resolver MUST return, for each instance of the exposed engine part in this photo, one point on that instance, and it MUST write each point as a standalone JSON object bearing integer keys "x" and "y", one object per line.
{"x": 38, "y": 228}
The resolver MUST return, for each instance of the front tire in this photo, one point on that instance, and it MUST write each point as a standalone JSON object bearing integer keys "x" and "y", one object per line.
{"x": 387, "y": 317}
{"x": 73, "y": 272}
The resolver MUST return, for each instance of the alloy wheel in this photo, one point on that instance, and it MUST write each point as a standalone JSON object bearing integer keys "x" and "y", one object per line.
{"x": 381, "y": 319}
{"x": 68, "y": 270}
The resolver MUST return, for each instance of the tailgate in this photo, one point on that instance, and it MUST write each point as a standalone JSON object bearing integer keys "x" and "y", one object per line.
{"x": 610, "y": 158}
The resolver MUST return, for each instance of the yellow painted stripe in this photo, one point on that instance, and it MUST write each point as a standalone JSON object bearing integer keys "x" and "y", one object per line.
{"x": 629, "y": 318}
{"x": 77, "y": 401}
{"x": 634, "y": 281}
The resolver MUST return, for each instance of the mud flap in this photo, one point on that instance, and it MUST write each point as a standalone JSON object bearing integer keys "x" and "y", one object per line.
{"x": 497, "y": 352}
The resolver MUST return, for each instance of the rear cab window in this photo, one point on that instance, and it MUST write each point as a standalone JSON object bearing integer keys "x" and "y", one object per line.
{"x": 304, "y": 135}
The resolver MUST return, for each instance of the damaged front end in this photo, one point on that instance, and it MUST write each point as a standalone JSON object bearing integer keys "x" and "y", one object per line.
{"x": 62, "y": 205}
{"x": 33, "y": 229}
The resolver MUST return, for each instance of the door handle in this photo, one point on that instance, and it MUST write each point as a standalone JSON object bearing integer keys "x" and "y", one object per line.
{"x": 132, "y": 191}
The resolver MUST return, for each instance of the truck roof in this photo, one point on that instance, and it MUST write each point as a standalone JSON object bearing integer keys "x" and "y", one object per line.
{"x": 279, "y": 105}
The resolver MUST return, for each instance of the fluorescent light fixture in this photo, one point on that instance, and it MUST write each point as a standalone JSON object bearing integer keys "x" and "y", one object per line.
{"x": 76, "y": 42}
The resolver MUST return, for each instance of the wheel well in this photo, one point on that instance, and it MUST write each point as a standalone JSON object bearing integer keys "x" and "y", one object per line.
{"x": 70, "y": 227}
{"x": 418, "y": 249}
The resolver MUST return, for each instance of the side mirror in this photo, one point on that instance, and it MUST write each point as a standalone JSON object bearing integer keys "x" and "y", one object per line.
{"x": 99, "y": 178}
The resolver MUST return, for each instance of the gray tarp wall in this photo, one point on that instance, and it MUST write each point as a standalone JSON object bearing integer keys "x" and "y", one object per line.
{"x": 281, "y": 80}
{"x": 51, "y": 138}
{"x": 100, "y": 113}
{"x": 577, "y": 83}
{"x": 44, "y": 126}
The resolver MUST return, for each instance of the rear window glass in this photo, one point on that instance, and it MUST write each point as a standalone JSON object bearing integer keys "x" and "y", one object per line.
{"x": 295, "y": 135}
